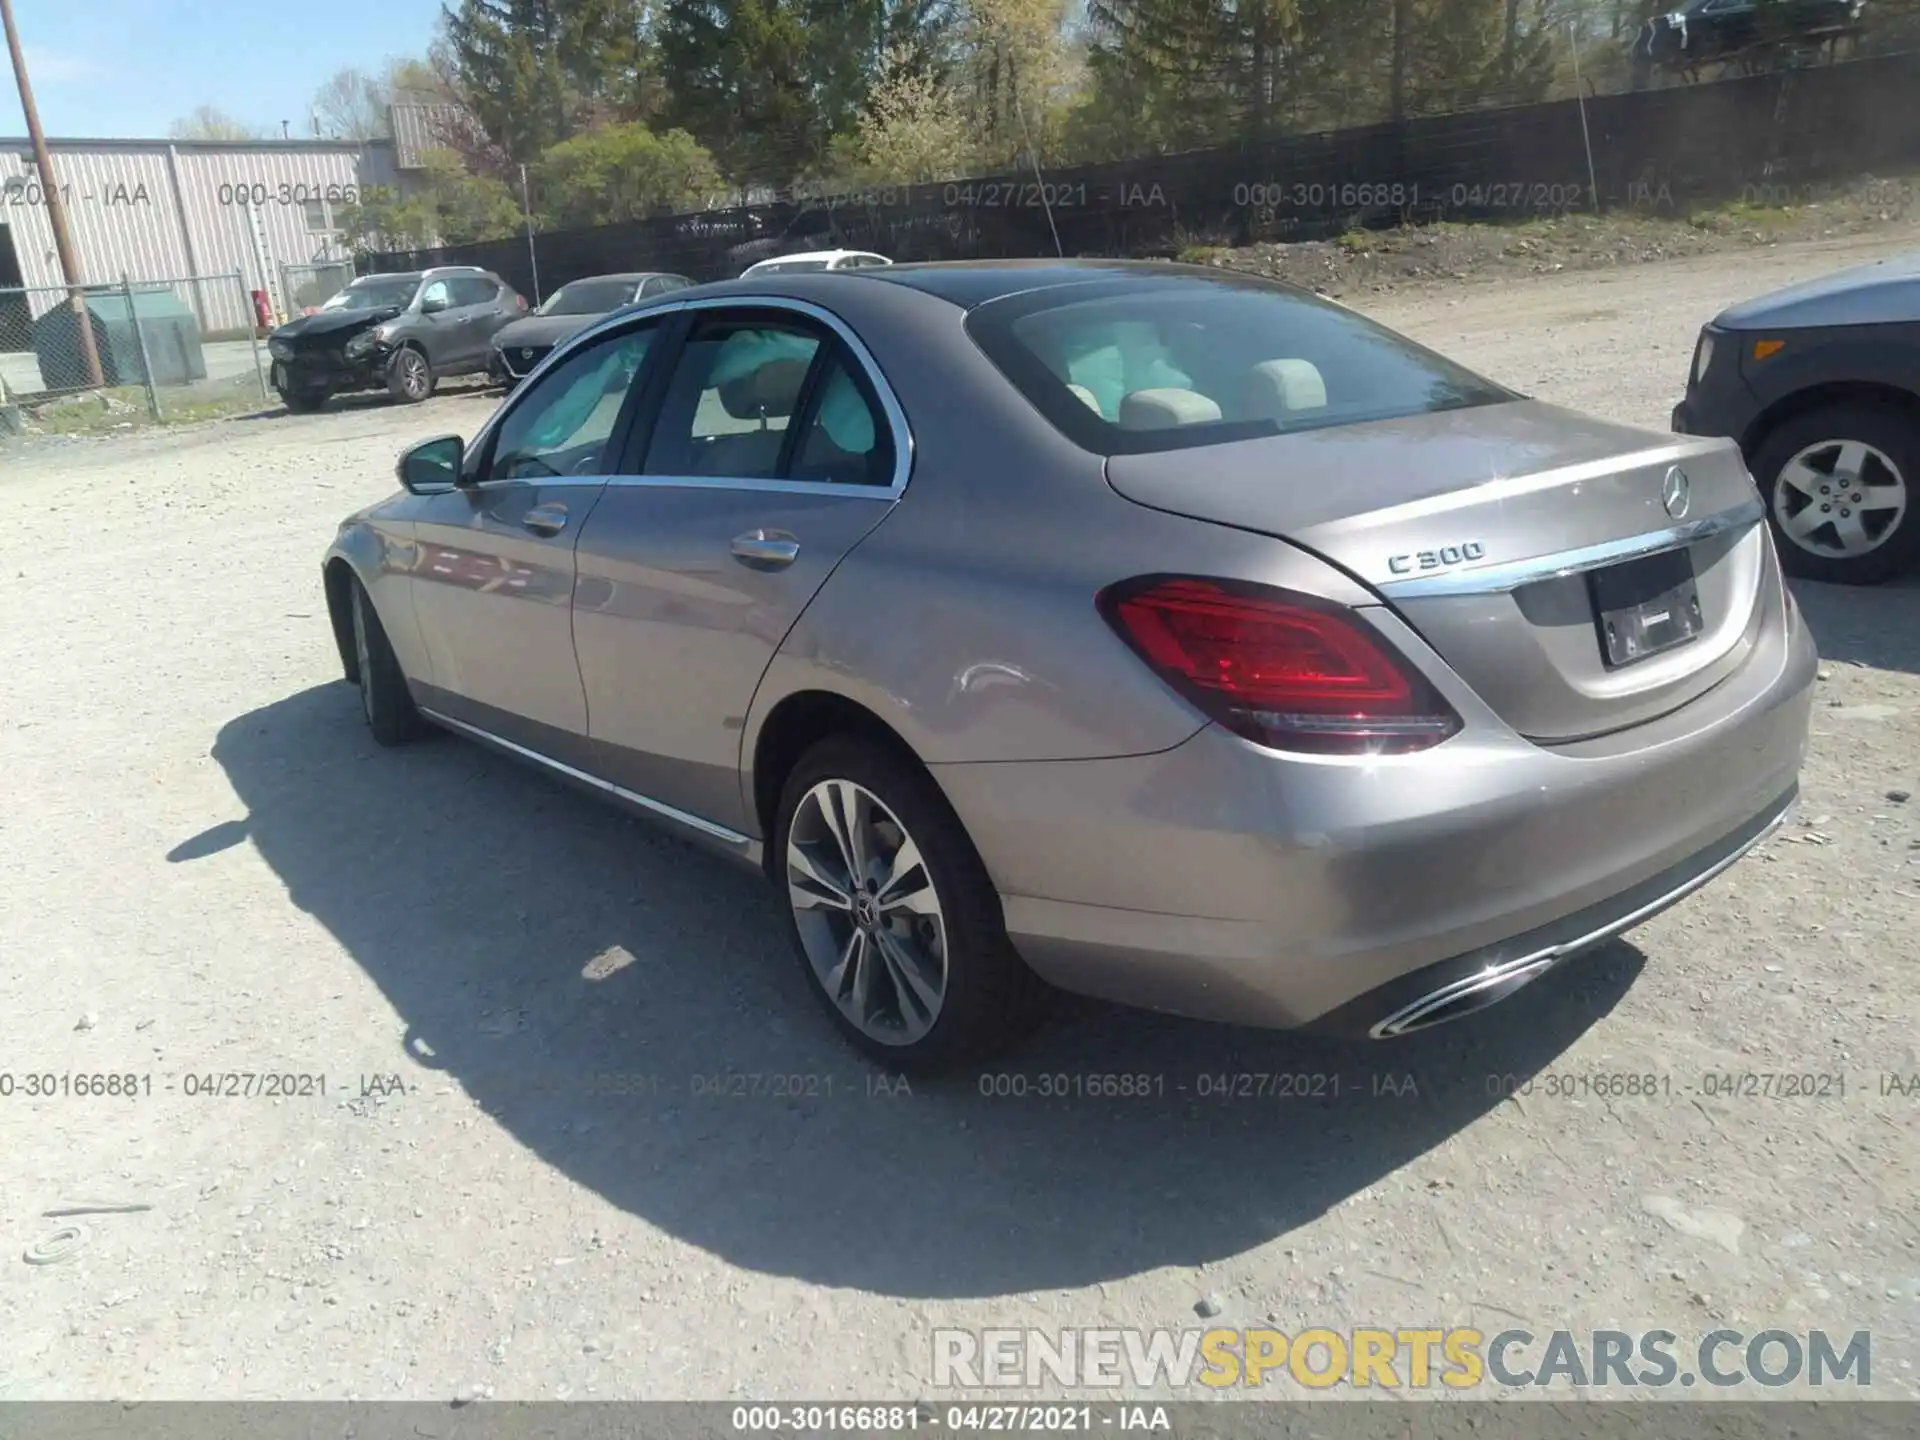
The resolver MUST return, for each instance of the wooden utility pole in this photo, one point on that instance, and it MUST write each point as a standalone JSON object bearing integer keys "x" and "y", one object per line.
{"x": 56, "y": 210}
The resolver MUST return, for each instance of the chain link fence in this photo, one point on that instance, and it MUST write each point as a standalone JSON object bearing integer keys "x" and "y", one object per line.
{"x": 110, "y": 355}
{"x": 306, "y": 287}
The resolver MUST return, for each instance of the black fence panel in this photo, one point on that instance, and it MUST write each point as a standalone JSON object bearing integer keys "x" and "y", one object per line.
{"x": 1773, "y": 138}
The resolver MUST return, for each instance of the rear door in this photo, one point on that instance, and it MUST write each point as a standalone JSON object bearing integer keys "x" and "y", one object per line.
{"x": 477, "y": 314}
{"x": 774, "y": 450}
{"x": 494, "y": 572}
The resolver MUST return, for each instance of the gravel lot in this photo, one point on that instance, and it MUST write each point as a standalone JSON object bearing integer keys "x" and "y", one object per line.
{"x": 206, "y": 866}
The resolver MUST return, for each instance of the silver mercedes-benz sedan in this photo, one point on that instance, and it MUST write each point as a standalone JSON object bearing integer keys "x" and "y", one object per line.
{"x": 1145, "y": 631}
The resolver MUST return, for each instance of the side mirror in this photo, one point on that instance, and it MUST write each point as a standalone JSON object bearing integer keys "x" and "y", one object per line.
{"x": 432, "y": 467}
{"x": 434, "y": 304}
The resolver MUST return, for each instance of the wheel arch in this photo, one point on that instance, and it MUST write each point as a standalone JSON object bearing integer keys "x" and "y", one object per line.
{"x": 795, "y": 725}
{"x": 338, "y": 578}
{"x": 1794, "y": 404}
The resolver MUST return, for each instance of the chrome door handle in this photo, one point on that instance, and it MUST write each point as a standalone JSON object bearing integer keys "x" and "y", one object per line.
{"x": 766, "y": 549}
{"x": 545, "y": 519}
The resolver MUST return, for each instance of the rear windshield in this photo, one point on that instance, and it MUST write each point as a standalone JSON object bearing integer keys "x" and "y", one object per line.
{"x": 1138, "y": 365}
{"x": 590, "y": 297}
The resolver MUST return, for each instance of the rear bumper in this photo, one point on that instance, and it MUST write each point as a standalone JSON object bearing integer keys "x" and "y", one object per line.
{"x": 1223, "y": 881}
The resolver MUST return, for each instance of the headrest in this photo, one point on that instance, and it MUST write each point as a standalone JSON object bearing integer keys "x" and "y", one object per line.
{"x": 771, "y": 389}
{"x": 1165, "y": 409}
{"x": 1277, "y": 389}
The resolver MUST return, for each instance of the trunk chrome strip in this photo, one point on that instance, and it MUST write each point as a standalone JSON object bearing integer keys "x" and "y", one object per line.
{"x": 1498, "y": 579}
{"x": 665, "y": 811}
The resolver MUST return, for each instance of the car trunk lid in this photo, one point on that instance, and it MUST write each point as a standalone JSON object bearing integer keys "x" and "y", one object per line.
{"x": 1509, "y": 536}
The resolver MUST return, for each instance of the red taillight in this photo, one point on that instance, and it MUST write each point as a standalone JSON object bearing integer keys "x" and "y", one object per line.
{"x": 1280, "y": 669}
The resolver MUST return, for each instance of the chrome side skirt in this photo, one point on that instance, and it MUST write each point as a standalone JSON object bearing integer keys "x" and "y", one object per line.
{"x": 733, "y": 839}
{"x": 1510, "y": 975}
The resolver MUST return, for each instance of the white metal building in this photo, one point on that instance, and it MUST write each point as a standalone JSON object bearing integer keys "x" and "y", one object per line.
{"x": 162, "y": 210}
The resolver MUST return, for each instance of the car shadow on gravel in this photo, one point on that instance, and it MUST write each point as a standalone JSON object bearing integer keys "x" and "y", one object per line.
{"x": 354, "y": 401}
{"x": 627, "y": 1008}
{"x": 1873, "y": 625}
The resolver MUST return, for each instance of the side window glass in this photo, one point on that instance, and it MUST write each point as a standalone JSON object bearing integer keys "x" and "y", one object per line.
{"x": 562, "y": 425}
{"x": 846, "y": 440}
{"x": 436, "y": 293}
{"x": 735, "y": 388}
{"x": 474, "y": 291}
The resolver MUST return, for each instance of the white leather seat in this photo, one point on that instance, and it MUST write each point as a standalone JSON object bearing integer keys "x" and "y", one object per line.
{"x": 1166, "y": 409}
{"x": 1281, "y": 389}
{"x": 1085, "y": 397}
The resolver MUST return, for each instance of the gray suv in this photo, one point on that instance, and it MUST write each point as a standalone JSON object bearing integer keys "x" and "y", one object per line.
{"x": 397, "y": 332}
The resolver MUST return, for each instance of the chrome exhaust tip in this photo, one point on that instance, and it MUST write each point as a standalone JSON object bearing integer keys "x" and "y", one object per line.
{"x": 1465, "y": 996}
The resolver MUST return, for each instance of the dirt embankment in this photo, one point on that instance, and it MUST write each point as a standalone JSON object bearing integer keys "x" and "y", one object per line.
{"x": 1375, "y": 262}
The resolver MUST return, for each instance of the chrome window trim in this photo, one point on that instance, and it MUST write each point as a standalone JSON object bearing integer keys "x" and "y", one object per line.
{"x": 896, "y": 417}
{"x": 684, "y": 482}
{"x": 726, "y": 482}
{"x": 876, "y": 377}
{"x": 657, "y": 807}
{"x": 1498, "y": 579}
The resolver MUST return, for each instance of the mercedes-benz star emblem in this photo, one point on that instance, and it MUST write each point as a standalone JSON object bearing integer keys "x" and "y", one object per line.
{"x": 1676, "y": 493}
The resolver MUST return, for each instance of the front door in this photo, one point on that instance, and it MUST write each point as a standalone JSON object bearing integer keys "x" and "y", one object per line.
{"x": 771, "y": 457}
{"x": 494, "y": 572}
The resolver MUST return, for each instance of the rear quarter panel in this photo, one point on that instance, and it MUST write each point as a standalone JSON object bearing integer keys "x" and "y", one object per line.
{"x": 966, "y": 620}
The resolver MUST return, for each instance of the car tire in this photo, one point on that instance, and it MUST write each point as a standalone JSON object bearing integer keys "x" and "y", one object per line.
{"x": 384, "y": 697}
{"x": 987, "y": 998}
{"x": 410, "y": 377}
{"x": 304, "y": 402}
{"x": 1801, "y": 466}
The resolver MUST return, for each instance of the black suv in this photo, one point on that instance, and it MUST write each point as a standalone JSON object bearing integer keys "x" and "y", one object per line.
{"x": 399, "y": 333}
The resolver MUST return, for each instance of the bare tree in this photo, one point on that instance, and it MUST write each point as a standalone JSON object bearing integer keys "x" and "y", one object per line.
{"x": 208, "y": 122}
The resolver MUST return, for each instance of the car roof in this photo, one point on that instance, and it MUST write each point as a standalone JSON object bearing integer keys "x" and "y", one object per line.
{"x": 623, "y": 275}
{"x": 828, "y": 255}
{"x": 968, "y": 283}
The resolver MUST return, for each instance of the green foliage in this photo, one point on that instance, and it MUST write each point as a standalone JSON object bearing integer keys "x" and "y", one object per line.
{"x": 536, "y": 72}
{"x": 623, "y": 171}
{"x": 449, "y": 207}
{"x": 913, "y": 131}
{"x": 1180, "y": 74}
{"x": 763, "y": 84}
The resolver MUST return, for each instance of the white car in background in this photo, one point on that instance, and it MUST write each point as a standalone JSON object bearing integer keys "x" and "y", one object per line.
{"x": 816, "y": 260}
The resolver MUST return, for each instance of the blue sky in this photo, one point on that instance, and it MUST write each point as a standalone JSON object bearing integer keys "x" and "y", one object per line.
{"x": 132, "y": 67}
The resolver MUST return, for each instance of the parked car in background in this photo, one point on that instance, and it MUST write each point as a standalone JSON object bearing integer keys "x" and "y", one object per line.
{"x": 816, "y": 260}
{"x": 1820, "y": 385}
{"x": 402, "y": 333}
{"x": 1699, "y": 32}
{"x": 1145, "y": 629}
{"x": 524, "y": 343}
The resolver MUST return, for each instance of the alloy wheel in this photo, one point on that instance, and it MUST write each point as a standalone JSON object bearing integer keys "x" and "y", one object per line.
{"x": 1839, "y": 498}
{"x": 869, "y": 917}
{"x": 413, "y": 375}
